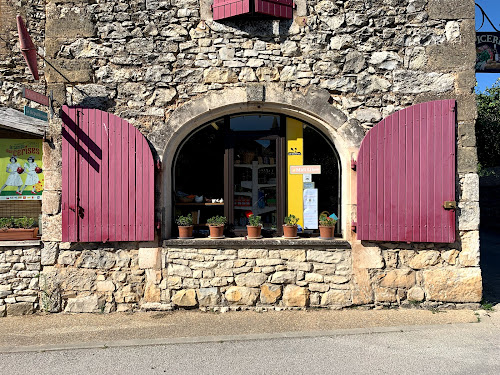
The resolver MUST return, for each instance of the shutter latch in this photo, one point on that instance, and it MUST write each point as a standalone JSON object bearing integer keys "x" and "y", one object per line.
{"x": 450, "y": 205}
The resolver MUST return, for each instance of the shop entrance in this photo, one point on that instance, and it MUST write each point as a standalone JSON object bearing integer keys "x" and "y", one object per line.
{"x": 238, "y": 165}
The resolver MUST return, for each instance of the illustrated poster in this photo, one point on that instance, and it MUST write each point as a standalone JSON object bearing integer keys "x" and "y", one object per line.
{"x": 487, "y": 52}
{"x": 21, "y": 169}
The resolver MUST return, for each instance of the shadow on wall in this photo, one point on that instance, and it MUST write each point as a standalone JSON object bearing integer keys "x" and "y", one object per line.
{"x": 489, "y": 235}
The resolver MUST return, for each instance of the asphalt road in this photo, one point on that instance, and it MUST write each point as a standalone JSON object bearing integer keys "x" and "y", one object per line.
{"x": 447, "y": 349}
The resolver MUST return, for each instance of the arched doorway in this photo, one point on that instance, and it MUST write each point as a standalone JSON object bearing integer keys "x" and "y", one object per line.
{"x": 239, "y": 164}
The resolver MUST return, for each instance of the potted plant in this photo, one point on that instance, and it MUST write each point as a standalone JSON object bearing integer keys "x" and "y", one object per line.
{"x": 254, "y": 226}
{"x": 326, "y": 226}
{"x": 21, "y": 228}
{"x": 290, "y": 226}
{"x": 216, "y": 226}
{"x": 185, "y": 224}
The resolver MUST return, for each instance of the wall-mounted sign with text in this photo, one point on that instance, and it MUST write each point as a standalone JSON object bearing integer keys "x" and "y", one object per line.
{"x": 305, "y": 169}
{"x": 487, "y": 52}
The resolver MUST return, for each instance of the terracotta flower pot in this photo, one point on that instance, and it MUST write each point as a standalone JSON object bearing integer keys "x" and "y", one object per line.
{"x": 326, "y": 233}
{"x": 290, "y": 231}
{"x": 186, "y": 231}
{"x": 254, "y": 231}
{"x": 216, "y": 231}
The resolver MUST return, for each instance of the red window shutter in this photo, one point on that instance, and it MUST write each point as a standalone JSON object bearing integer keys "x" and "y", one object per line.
{"x": 107, "y": 179}
{"x": 406, "y": 171}
{"x": 229, "y": 8}
{"x": 276, "y": 8}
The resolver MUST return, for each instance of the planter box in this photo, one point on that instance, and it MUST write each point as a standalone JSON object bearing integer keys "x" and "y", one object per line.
{"x": 18, "y": 234}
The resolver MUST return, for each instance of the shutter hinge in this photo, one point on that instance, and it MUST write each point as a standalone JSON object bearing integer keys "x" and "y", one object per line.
{"x": 354, "y": 226}
{"x": 158, "y": 165}
{"x": 450, "y": 205}
{"x": 354, "y": 164}
{"x": 158, "y": 225}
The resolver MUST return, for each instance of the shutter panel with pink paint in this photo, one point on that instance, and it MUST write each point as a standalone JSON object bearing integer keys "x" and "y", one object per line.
{"x": 107, "y": 179}
{"x": 223, "y": 9}
{"x": 406, "y": 175}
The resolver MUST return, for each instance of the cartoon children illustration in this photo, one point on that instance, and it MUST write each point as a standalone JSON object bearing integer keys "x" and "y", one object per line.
{"x": 14, "y": 178}
{"x": 32, "y": 170}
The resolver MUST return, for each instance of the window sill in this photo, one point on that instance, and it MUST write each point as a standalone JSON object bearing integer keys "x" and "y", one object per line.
{"x": 24, "y": 243}
{"x": 268, "y": 243}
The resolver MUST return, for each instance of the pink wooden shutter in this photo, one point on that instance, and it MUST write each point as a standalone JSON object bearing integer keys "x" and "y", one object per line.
{"x": 406, "y": 171}
{"x": 230, "y": 8}
{"x": 276, "y": 8}
{"x": 107, "y": 179}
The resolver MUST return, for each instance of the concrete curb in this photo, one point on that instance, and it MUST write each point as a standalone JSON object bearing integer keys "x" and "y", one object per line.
{"x": 231, "y": 338}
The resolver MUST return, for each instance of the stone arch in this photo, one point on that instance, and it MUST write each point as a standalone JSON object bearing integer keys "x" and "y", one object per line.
{"x": 312, "y": 107}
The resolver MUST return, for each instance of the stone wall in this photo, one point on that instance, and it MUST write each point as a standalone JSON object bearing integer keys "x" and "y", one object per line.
{"x": 19, "y": 279}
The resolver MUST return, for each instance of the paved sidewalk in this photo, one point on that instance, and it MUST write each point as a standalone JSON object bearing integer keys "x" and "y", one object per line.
{"x": 69, "y": 331}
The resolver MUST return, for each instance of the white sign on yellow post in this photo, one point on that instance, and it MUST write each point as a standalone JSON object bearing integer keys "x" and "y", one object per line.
{"x": 295, "y": 157}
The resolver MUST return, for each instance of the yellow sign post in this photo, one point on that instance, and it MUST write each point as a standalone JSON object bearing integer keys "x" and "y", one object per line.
{"x": 295, "y": 156}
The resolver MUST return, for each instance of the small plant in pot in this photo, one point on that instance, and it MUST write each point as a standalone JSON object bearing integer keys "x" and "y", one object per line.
{"x": 216, "y": 226}
{"x": 21, "y": 228}
{"x": 326, "y": 226}
{"x": 290, "y": 226}
{"x": 254, "y": 226}
{"x": 185, "y": 224}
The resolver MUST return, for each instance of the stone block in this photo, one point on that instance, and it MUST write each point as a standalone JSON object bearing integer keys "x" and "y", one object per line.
{"x": 70, "y": 24}
{"x": 20, "y": 308}
{"x": 239, "y": 295}
{"x": 451, "y": 9}
{"x": 416, "y": 294}
{"x": 295, "y": 296}
{"x": 5, "y": 290}
{"x": 336, "y": 298}
{"x": 88, "y": 304}
{"x": 469, "y": 256}
{"x": 49, "y": 253}
{"x": 323, "y": 256}
{"x": 67, "y": 257}
{"x": 208, "y": 296}
{"x": 105, "y": 286}
{"x": 453, "y": 284}
{"x": 76, "y": 71}
{"x": 179, "y": 270}
{"x": 451, "y": 57}
{"x": 250, "y": 280}
{"x": 52, "y": 228}
{"x": 252, "y": 253}
{"x": 352, "y": 132}
{"x": 424, "y": 259}
{"x": 398, "y": 279}
{"x": 149, "y": 257}
{"x": 385, "y": 295}
{"x": 270, "y": 293}
{"x": 362, "y": 287}
{"x": 283, "y": 277}
{"x": 3, "y": 311}
{"x": 366, "y": 257}
{"x": 314, "y": 277}
{"x": 465, "y": 81}
{"x": 417, "y": 82}
{"x": 468, "y": 216}
{"x": 293, "y": 255}
{"x": 466, "y": 160}
{"x": 470, "y": 187}
{"x": 185, "y": 298}
{"x": 51, "y": 202}
{"x": 152, "y": 293}
{"x": 466, "y": 134}
{"x": 450, "y": 256}
{"x": 219, "y": 75}
{"x": 315, "y": 287}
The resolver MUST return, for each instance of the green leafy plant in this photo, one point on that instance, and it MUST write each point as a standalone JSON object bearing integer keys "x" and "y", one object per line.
{"x": 326, "y": 221}
{"x": 6, "y": 222}
{"x": 488, "y": 126}
{"x": 485, "y": 305}
{"x": 24, "y": 222}
{"x": 185, "y": 221}
{"x": 217, "y": 220}
{"x": 254, "y": 221}
{"x": 291, "y": 220}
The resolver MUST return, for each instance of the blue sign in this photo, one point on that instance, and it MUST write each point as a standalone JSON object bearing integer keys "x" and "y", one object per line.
{"x": 35, "y": 113}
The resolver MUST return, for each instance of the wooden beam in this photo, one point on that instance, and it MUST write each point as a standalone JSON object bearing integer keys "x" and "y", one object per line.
{"x": 14, "y": 120}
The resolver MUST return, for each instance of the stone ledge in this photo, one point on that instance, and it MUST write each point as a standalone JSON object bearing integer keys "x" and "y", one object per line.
{"x": 29, "y": 243}
{"x": 267, "y": 243}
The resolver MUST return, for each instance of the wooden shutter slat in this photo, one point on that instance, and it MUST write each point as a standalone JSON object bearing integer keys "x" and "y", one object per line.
{"x": 106, "y": 150}
{"x": 406, "y": 170}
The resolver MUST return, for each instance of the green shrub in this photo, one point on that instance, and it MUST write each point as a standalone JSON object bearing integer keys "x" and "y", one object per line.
{"x": 6, "y": 222}
{"x": 291, "y": 220}
{"x": 185, "y": 221}
{"x": 217, "y": 220}
{"x": 254, "y": 221}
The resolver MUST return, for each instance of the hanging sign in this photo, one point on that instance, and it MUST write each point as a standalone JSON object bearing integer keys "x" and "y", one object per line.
{"x": 35, "y": 113}
{"x": 487, "y": 52}
{"x": 21, "y": 169}
{"x": 305, "y": 169}
{"x": 35, "y": 96}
